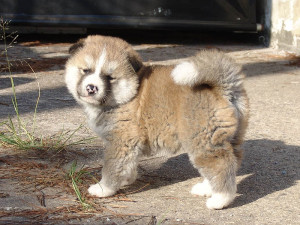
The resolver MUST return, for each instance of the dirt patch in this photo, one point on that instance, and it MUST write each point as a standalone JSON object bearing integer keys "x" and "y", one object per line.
{"x": 33, "y": 65}
{"x": 295, "y": 62}
{"x": 291, "y": 59}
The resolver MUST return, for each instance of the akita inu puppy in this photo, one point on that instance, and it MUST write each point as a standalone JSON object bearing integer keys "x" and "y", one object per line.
{"x": 198, "y": 107}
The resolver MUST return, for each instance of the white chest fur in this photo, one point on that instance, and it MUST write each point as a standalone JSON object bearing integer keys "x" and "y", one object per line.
{"x": 98, "y": 122}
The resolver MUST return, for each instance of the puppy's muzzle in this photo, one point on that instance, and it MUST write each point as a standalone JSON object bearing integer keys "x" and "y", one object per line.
{"x": 91, "y": 89}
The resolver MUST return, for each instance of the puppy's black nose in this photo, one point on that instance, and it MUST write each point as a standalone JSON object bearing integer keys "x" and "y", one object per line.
{"x": 91, "y": 89}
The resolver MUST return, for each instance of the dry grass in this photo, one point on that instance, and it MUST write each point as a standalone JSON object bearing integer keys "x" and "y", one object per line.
{"x": 35, "y": 173}
{"x": 33, "y": 176}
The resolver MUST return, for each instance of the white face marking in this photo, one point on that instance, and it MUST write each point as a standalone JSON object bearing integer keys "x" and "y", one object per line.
{"x": 124, "y": 90}
{"x": 101, "y": 62}
{"x": 94, "y": 79}
{"x": 72, "y": 80}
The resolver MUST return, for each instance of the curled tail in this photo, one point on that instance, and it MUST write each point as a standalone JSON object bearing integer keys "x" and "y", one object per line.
{"x": 213, "y": 68}
{"x": 217, "y": 70}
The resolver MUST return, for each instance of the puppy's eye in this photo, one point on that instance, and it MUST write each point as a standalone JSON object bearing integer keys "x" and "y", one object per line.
{"x": 85, "y": 71}
{"x": 110, "y": 78}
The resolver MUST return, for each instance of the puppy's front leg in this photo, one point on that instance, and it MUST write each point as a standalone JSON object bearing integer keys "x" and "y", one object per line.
{"x": 101, "y": 189}
{"x": 119, "y": 169}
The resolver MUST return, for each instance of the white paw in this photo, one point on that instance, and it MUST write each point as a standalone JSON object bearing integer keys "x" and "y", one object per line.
{"x": 219, "y": 200}
{"x": 100, "y": 190}
{"x": 202, "y": 189}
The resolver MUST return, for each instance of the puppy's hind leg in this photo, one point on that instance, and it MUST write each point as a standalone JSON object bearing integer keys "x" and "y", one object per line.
{"x": 218, "y": 167}
{"x": 118, "y": 170}
{"x": 202, "y": 188}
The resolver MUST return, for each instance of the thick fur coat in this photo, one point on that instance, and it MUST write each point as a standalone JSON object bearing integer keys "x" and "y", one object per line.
{"x": 198, "y": 106}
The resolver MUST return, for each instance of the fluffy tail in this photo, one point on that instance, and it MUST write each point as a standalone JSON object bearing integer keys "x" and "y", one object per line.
{"x": 219, "y": 71}
{"x": 213, "y": 68}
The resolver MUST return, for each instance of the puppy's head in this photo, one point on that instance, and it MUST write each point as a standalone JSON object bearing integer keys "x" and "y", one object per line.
{"x": 102, "y": 71}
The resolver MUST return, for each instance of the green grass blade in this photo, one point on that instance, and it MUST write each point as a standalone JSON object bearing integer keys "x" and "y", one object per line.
{"x": 75, "y": 176}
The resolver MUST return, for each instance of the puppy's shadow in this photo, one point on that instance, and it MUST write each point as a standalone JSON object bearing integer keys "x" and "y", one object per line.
{"x": 175, "y": 169}
{"x": 268, "y": 166}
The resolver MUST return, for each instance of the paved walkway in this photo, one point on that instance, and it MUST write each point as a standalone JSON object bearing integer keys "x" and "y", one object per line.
{"x": 34, "y": 185}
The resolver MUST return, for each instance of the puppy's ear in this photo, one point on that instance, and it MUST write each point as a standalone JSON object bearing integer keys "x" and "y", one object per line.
{"x": 75, "y": 47}
{"x": 134, "y": 59}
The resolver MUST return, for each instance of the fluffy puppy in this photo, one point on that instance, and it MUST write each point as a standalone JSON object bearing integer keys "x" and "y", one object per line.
{"x": 198, "y": 106}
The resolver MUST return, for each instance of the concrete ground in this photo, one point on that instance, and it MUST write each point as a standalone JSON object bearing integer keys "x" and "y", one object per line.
{"x": 34, "y": 185}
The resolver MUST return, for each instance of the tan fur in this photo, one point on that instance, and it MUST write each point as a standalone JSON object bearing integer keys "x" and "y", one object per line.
{"x": 206, "y": 118}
